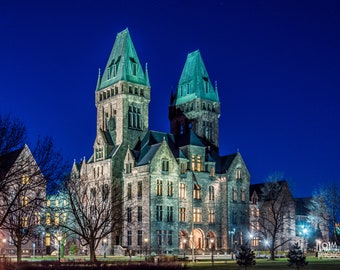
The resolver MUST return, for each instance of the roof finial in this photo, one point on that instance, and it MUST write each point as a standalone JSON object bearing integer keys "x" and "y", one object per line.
{"x": 216, "y": 86}
{"x": 147, "y": 75}
{"x": 98, "y": 80}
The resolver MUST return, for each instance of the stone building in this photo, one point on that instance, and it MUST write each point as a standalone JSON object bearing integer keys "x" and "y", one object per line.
{"x": 179, "y": 193}
{"x": 22, "y": 200}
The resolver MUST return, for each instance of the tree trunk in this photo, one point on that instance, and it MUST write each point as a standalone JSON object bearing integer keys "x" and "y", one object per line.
{"x": 92, "y": 251}
{"x": 19, "y": 251}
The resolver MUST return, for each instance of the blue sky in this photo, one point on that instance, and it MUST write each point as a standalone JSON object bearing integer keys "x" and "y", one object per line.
{"x": 277, "y": 65}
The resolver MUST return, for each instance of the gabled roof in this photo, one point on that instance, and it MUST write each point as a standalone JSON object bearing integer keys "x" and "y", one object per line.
{"x": 188, "y": 138}
{"x": 194, "y": 81}
{"x": 260, "y": 186}
{"x": 7, "y": 161}
{"x": 123, "y": 63}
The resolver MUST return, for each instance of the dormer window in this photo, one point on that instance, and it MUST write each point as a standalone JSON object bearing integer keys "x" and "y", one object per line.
{"x": 206, "y": 84}
{"x": 165, "y": 165}
{"x": 133, "y": 66}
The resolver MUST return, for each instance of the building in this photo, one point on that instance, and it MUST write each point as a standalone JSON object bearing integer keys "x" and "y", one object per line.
{"x": 179, "y": 193}
{"x": 22, "y": 197}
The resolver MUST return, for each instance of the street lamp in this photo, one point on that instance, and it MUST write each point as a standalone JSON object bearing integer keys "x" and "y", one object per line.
{"x": 232, "y": 232}
{"x": 146, "y": 246}
{"x": 105, "y": 246}
{"x": 212, "y": 252}
{"x": 59, "y": 238}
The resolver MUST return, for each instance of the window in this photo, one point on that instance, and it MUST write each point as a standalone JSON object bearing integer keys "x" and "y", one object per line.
{"x": 211, "y": 193}
{"x": 234, "y": 194}
{"x": 128, "y": 167}
{"x": 140, "y": 214}
{"x": 37, "y": 218}
{"x": 170, "y": 189}
{"x": 164, "y": 237}
{"x": 48, "y": 219}
{"x": 25, "y": 179}
{"x": 212, "y": 171}
{"x": 243, "y": 195}
{"x": 159, "y": 213}
{"x": 24, "y": 200}
{"x": 199, "y": 163}
{"x": 211, "y": 216}
{"x": 135, "y": 117}
{"x": 129, "y": 191}
{"x": 238, "y": 174}
{"x": 56, "y": 219}
{"x": 129, "y": 214}
{"x": 24, "y": 222}
{"x": 197, "y": 192}
{"x": 182, "y": 214}
{"x": 64, "y": 217}
{"x": 139, "y": 237}
{"x": 165, "y": 165}
{"x": 193, "y": 167}
{"x": 139, "y": 189}
{"x": 183, "y": 168}
{"x": 129, "y": 238}
{"x": 159, "y": 188}
{"x": 105, "y": 192}
{"x": 182, "y": 191}
{"x": 169, "y": 214}
{"x": 197, "y": 215}
{"x": 93, "y": 192}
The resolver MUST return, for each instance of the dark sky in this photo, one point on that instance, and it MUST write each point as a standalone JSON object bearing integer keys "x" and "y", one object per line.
{"x": 277, "y": 65}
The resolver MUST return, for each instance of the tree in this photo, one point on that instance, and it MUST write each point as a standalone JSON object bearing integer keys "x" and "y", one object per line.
{"x": 245, "y": 256}
{"x": 325, "y": 210}
{"x": 94, "y": 211}
{"x": 276, "y": 214}
{"x": 296, "y": 257}
{"x": 23, "y": 179}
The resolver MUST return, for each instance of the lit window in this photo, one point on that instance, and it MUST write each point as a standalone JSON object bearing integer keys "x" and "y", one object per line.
{"x": 24, "y": 200}
{"x": 48, "y": 219}
{"x": 182, "y": 214}
{"x": 197, "y": 215}
{"x": 234, "y": 194}
{"x": 243, "y": 196}
{"x": 64, "y": 217}
{"x": 211, "y": 216}
{"x": 25, "y": 179}
{"x": 199, "y": 163}
{"x": 170, "y": 188}
{"x": 24, "y": 222}
{"x": 182, "y": 191}
{"x": 197, "y": 192}
{"x": 238, "y": 174}
{"x": 183, "y": 168}
{"x": 159, "y": 188}
{"x": 56, "y": 219}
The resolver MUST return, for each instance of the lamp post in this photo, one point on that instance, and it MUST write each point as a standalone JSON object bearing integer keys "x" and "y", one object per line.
{"x": 184, "y": 246}
{"x": 59, "y": 238}
{"x": 231, "y": 233}
{"x": 105, "y": 246}
{"x": 146, "y": 246}
{"x": 212, "y": 252}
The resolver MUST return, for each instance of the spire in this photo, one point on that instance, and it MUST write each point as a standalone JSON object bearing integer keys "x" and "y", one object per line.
{"x": 147, "y": 75}
{"x": 123, "y": 63}
{"x": 98, "y": 80}
{"x": 195, "y": 81}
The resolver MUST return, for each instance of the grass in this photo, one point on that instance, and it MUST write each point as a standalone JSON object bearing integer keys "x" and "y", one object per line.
{"x": 313, "y": 264}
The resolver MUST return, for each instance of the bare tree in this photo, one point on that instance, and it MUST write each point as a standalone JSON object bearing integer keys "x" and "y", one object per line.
{"x": 325, "y": 210}
{"x": 276, "y": 206}
{"x": 94, "y": 211}
{"x": 23, "y": 180}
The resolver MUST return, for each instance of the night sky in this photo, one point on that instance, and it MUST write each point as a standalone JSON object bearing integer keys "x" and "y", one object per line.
{"x": 276, "y": 63}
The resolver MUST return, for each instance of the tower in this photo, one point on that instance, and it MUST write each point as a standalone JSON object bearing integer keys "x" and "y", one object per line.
{"x": 195, "y": 105}
{"x": 122, "y": 99}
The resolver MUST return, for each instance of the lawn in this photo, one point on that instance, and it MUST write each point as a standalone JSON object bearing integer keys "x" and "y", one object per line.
{"x": 313, "y": 264}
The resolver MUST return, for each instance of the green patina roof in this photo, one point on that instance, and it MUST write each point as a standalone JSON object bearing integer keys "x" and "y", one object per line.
{"x": 195, "y": 81}
{"x": 123, "y": 63}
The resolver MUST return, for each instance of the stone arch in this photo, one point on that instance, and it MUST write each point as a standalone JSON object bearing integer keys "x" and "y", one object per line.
{"x": 211, "y": 240}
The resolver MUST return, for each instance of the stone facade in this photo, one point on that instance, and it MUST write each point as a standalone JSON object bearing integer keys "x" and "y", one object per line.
{"x": 179, "y": 193}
